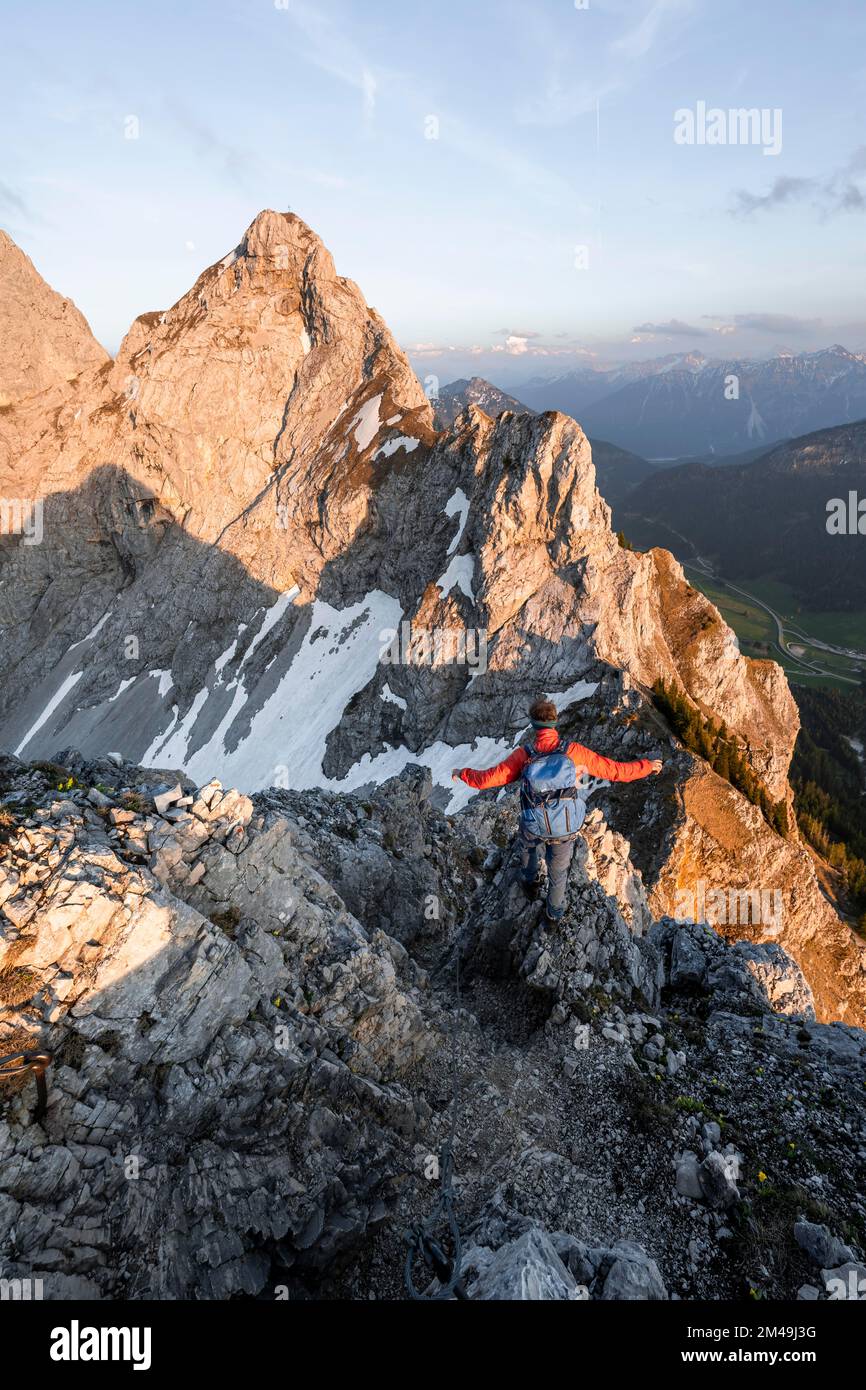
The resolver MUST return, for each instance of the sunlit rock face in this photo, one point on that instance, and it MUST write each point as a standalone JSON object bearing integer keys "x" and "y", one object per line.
{"x": 45, "y": 343}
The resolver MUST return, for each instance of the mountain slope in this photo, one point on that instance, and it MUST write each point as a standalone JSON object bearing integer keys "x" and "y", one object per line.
{"x": 770, "y": 516}
{"x": 457, "y": 395}
{"x": 617, "y": 471}
{"x": 45, "y": 340}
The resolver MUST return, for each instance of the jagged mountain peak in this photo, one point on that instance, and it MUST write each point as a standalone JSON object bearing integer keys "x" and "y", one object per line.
{"x": 269, "y": 379}
{"x": 277, "y": 251}
{"x": 45, "y": 340}
{"x": 477, "y": 391}
{"x": 276, "y": 292}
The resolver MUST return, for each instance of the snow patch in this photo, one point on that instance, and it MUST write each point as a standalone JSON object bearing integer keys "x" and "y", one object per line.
{"x": 579, "y": 691}
{"x": 401, "y": 441}
{"x": 457, "y": 505}
{"x": 272, "y": 617}
{"x": 124, "y": 685}
{"x": 366, "y": 422}
{"x": 171, "y": 747}
{"x": 459, "y": 574}
{"x": 226, "y": 657}
{"x": 94, "y": 632}
{"x": 165, "y": 682}
{"x": 49, "y": 709}
{"x": 439, "y": 757}
{"x": 388, "y": 694}
{"x": 755, "y": 427}
{"x": 338, "y": 657}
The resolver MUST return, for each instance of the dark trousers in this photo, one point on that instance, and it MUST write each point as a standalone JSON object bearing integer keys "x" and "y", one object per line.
{"x": 558, "y": 855}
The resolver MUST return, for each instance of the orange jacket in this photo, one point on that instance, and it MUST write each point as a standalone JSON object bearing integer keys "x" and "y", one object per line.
{"x": 547, "y": 741}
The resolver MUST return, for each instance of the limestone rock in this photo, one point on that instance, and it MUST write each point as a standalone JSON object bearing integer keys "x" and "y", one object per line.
{"x": 821, "y": 1247}
{"x": 633, "y": 1276}
{"x": 248, "y": 1076}
{"x": 45, "y": 342}
{"x": 529, "y": 1269}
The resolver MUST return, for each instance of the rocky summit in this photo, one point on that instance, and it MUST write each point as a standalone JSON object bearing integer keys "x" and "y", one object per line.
{"x": 255, "y": 605}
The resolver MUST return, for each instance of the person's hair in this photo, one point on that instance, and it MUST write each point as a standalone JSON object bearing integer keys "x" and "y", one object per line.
{"x": 543, "y": 711}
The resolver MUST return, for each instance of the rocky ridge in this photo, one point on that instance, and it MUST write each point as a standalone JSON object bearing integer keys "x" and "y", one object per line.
{"x": 249, "y": 1078}
{"x": 46, "y": 342}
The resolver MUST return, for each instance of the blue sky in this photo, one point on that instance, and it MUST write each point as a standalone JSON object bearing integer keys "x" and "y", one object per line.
{"x": 555, "y": 130}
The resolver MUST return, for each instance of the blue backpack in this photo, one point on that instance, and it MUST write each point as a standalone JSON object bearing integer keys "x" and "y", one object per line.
{"x": 552, "y": 806}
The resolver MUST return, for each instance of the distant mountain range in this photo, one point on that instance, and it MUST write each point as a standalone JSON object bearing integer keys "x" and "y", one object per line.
{"x": 688, "y": 404}
{"x": 618, "y": 470}
{"x": 765, "y": 517}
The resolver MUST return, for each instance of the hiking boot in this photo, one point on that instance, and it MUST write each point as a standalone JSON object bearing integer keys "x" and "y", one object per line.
{"x": 529, "y": 887}
{"x": 553, "y": 915}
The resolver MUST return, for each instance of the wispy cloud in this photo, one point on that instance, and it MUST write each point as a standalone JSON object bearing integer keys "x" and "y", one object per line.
{"x": 830, "y": 194}
{"x": 563, "y": 97}
{"x": 762, "y": 323}
{"x": 329, "y": 47}
{"x": 528, "y": 175}
{"x": 515, "y": 345}
{"x": 640, "y": 40}
{"x": 566, "y": 94}
{"x": 782, "y": 190}
{"x": 674, "y": 328}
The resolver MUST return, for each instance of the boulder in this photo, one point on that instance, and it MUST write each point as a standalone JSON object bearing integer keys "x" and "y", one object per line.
{"x": 633, "y": 1276}
{"x": 822, "y": 1248}
{"x": 527, "y": 1270}
{"x": 688, "y": 962}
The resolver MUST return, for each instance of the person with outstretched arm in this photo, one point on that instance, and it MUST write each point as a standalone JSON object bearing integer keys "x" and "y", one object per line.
{"x": 553, "y": 777}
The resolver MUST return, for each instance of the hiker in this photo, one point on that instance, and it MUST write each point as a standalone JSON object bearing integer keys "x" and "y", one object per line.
{"x": 552, "y": 801}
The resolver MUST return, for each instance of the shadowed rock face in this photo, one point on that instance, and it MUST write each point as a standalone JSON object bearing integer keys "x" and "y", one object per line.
{"x": 243, "y": 509}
